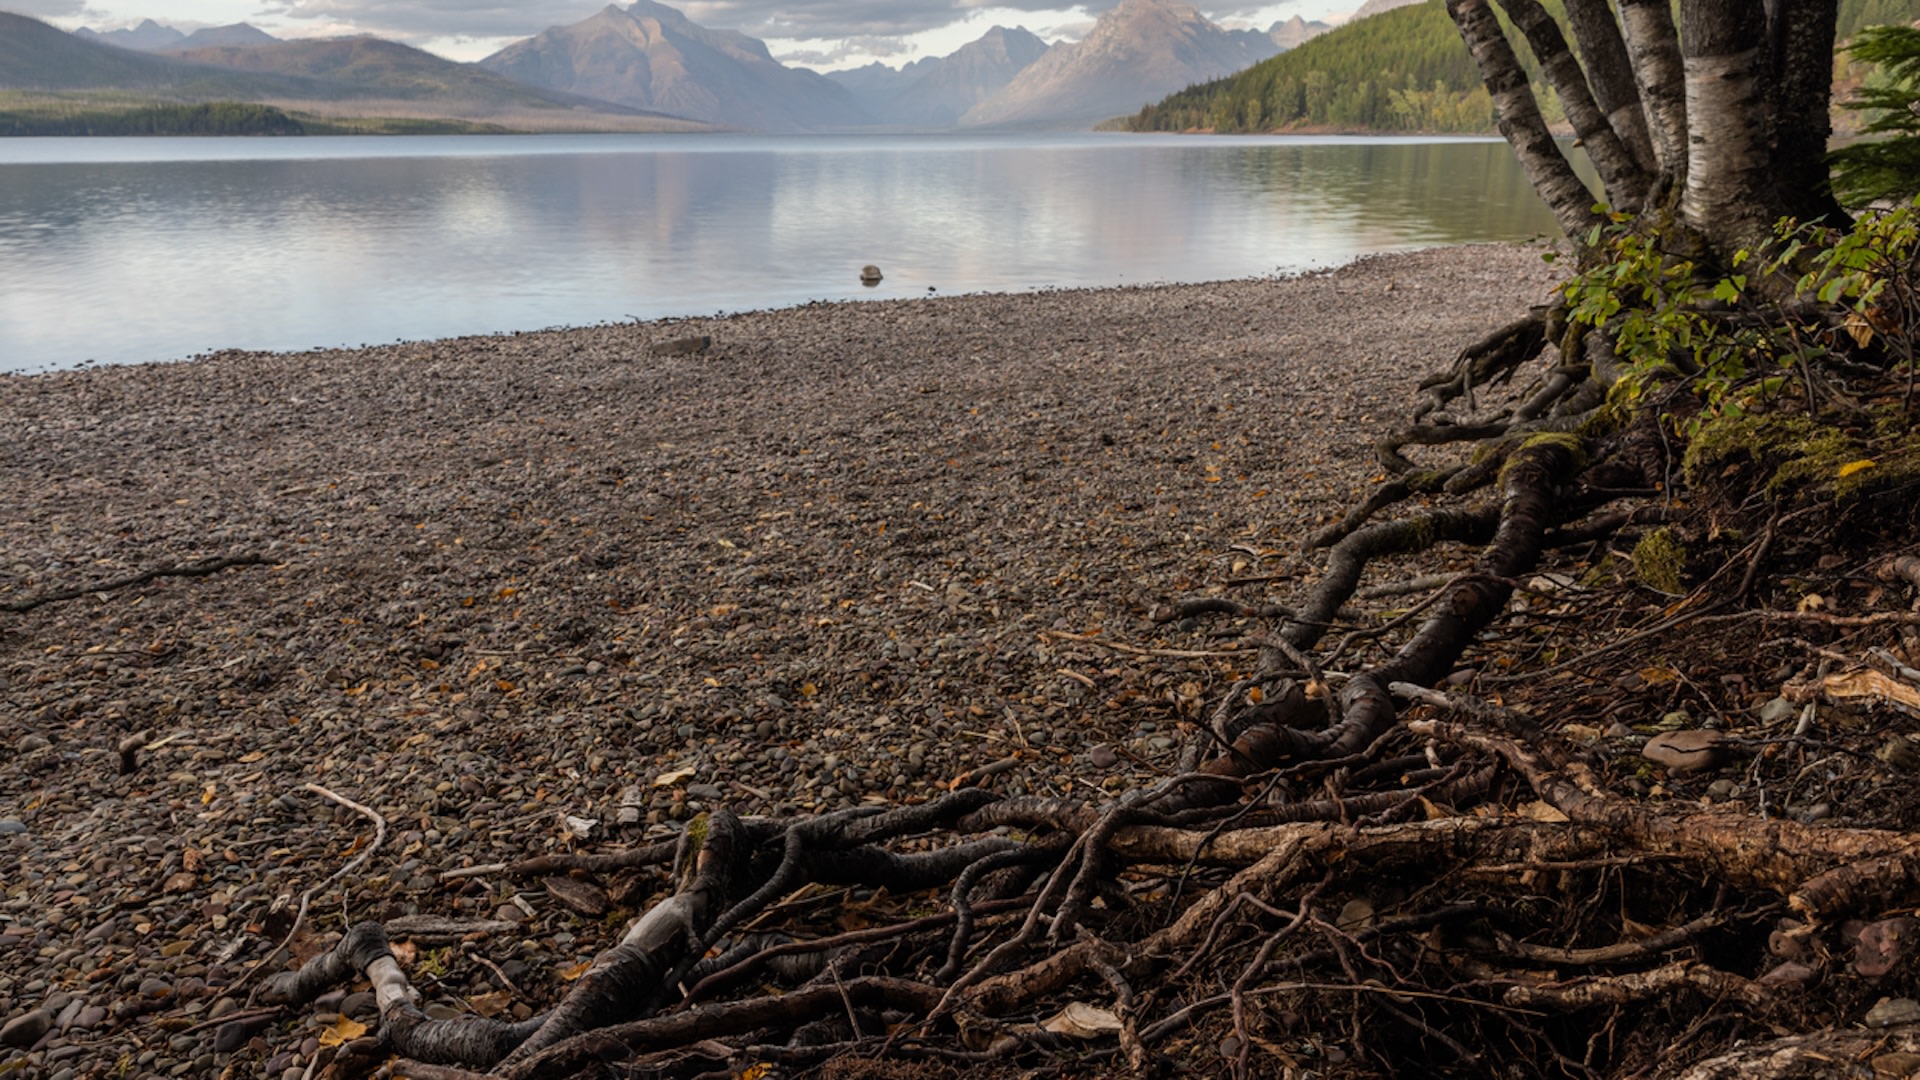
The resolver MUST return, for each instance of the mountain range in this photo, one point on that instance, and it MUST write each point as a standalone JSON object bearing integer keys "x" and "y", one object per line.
{"x": 151, "y": 36}
{"x": 1138, "y": 52}
{"x": 623, "y": 65}
{"x": 334, "y": 78}
{"x": 936, "y": 92}
{"x": 651, "y": 56}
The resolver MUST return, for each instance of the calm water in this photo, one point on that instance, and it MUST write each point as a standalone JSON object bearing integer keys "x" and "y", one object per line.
{"x": 125, "y": 250}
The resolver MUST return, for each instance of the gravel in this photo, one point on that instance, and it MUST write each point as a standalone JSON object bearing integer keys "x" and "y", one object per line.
{"x": 849, "y": 553}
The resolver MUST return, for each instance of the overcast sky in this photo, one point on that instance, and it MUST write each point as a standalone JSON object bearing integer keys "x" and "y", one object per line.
{"x": 823, "y": 34}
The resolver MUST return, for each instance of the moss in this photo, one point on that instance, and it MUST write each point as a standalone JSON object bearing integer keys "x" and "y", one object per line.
{"x": 1565, "y": 440}
{"x": 1606, "y": 420}
{"x": 1658, "y": 560}
{"x": 1798, "y": 454}
{"x": 696, "y": 840}
{"x": 1422, "y": 531}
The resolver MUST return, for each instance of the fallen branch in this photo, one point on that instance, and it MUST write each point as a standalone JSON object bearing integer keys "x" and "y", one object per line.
{"x": 201, "y": 568}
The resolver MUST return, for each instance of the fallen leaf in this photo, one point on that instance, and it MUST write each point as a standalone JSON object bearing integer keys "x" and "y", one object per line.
{"x": 1542, "y": 812}
{"x": 1082, "y": 1021}
{"x": 573, "y": 972}
{"x": 492, "y": 1004}
{"x": 1852, "y": 467}
{"x": 341, "y": 1032}
{"x": 674, "y": 776}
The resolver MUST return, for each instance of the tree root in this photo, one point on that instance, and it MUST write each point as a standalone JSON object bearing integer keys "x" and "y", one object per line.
{"x": 1468, "y": 891}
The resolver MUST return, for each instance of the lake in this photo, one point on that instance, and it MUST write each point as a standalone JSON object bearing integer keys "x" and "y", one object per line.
{"x": 136, "y": 249}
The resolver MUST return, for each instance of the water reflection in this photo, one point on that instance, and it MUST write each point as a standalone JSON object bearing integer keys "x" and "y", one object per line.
{"x": 133, "y": 249}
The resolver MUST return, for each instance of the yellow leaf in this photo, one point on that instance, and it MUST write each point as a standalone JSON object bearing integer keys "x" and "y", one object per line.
{"x": 252, "y": 756}
{"x": 1852, "y": 467}
{"x": 715, "y": 683}
{"x": 1861, "y": 328}
{"x": 1657, "y": 675}
{"x": 341, "y": 1032}
{"x": 574, "y": 972}
{"x": 1539, "y": 811}
{"x": 809, "y": 690}
{"x": 757, "y": 1072}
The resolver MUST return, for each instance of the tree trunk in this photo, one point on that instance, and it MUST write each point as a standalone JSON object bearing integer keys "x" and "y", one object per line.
{"x": 1729, "y": 194}
{"x": 1626, "y": 182}
{"x": 1520, "y": 120}
{"x": 1653, "y": 48}
{"x": 1610, "y": 74}
{"x": 1800, "y": 44}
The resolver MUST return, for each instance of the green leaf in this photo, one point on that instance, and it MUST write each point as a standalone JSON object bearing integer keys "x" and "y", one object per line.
{"x": 1726, "y": 291}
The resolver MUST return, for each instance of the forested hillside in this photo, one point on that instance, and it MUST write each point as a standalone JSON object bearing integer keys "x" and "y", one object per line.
{"x": 1402, "y": 70}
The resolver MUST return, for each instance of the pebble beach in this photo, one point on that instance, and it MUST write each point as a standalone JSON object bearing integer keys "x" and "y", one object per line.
{"x": 564, "y": 590}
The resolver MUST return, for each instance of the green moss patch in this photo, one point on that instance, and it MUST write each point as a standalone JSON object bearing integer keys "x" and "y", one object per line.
{"x": 1659, "y": 560}
{"x": 1792, "y": 455}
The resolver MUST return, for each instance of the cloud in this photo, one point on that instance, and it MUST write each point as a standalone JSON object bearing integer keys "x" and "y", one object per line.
{"x": 45, "y": 9}
{"x": 836, "y": 19}
{"x": 413, "y": 19}
{"x": 823, "y": 24}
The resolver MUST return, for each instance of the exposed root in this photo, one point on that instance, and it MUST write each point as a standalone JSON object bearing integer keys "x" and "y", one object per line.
{"x": 1492, "y": 885}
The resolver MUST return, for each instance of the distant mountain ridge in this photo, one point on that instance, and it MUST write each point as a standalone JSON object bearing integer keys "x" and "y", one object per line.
{"x": 1297, "y": 31}
{"x": 392, "y": 86}
{"x": 937, "y": 91}
{"x": 651, "y": 56}
{"x": 374, "y": 68}
{"x": 151, "y": 36}
{"x": 1136, "y": 53}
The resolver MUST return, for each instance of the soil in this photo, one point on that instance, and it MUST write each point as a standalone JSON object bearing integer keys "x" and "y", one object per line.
{"x": 846, "y": 553}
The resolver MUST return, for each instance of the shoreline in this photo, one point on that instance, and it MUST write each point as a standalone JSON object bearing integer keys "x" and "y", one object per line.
{"x": 849, "y": 553}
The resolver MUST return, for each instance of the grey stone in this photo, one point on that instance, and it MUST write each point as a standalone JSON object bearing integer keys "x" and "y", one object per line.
{"x": 234, "y": 1034}
{"x": 10, "y": 827}
{"x": 1890, "y": 1011}
{"x": 1778, "y": 711}
{"x": 26, "y": 1029}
